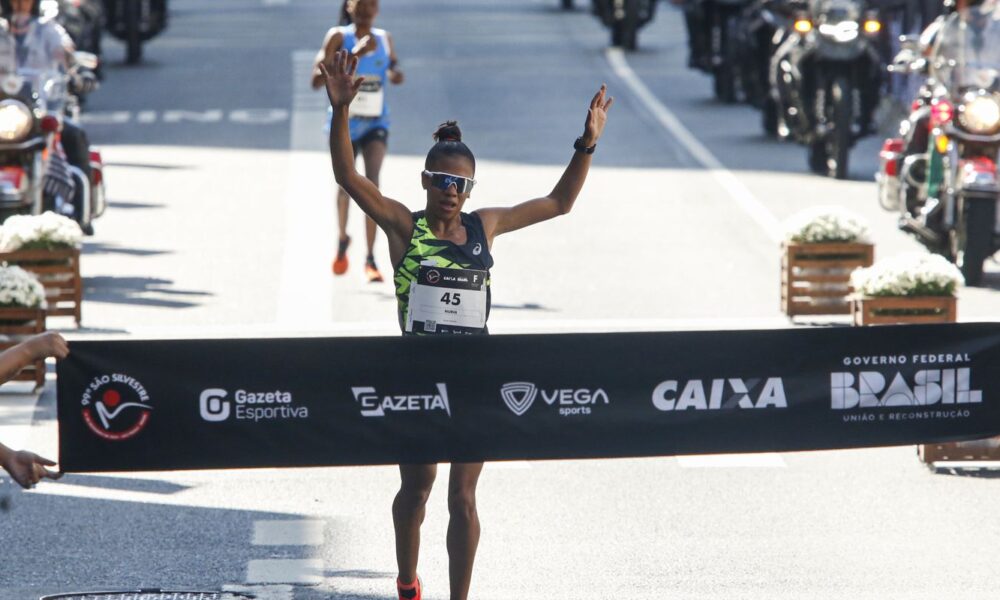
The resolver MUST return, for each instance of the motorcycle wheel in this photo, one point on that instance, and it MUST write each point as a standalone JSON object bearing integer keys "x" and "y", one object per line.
{"x": 567, "y": 4}
{"x": 841, "y": 136}
{"x": 817, "y": 157}
{"x": 769, "y": 116}
{"x": 624, "y": 32}
{"x": 133, "y": 39}
{"x": 971, "y": 241}
{"x": 726, "y": 73}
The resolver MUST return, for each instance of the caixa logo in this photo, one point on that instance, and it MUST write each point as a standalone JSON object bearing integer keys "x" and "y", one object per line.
{"x": 374, "y": 404}
{"x": 215, "y": 406}
{"x": 869, "y": 389}
{"x": 116, "y": 407}
{"x": 720, "y": 394}
{"x": 520, "y": 395}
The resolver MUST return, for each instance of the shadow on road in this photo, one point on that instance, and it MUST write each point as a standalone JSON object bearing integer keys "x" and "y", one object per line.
{"x": 142, "y": 291}
{"x": 106, "y": 248}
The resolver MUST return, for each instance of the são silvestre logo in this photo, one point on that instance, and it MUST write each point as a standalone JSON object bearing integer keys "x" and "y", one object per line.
{"x": 115, "y": 407}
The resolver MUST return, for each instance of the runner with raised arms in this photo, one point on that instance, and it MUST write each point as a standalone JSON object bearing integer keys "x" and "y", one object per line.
{"x": 442, "y": 261}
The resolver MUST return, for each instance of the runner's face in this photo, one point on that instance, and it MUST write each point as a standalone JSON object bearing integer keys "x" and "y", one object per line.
{"x": 363, "y": 12}
{"x": 445, "y": 204}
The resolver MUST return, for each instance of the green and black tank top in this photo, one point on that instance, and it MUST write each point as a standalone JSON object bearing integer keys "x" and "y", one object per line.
{"x": 449, "y": 282}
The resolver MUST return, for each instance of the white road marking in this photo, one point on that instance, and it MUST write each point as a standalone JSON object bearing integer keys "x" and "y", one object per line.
{"x": 288, "y": 533}
{"x": 730, "y": 461}
{"x": 740, "y": 193}
{"x": 263, "y": 592}
{"x": 237, "y": 116}
{"x": 284, "y": 570}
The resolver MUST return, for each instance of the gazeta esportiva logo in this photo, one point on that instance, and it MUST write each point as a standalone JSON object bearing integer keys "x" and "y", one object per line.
{"x": 115, "y": 407}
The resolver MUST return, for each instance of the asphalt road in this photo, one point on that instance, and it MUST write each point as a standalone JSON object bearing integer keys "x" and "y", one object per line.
{"x": 221, "y": 224}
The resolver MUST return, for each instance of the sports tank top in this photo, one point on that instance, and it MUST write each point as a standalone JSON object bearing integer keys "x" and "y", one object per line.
{"x": 374, "y": 66}
{"x": 449, "y": 282}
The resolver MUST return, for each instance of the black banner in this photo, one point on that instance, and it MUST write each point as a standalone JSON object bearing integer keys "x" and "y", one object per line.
{"x": 199, "y": 404}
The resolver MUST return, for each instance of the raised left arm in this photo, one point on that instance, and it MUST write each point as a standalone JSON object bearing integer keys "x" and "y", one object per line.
{"x": 497, "y": 221}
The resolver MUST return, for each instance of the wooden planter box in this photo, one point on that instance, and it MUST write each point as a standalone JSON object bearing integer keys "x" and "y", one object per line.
{"x": 16, "y": 324}
{"x": 976, "y": 450}
{"x": 59, "y": 273}
{"x": 815, "y": 278}
{"x": 895, "y": 310}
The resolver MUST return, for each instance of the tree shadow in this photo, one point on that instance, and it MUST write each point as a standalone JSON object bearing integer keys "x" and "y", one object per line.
{"x": 141, "y": 291}
{"x": 119, "y": 205}
{"x": 108, "y": 248}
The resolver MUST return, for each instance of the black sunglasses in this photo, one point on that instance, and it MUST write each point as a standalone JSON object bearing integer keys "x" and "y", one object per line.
{"x": 443, "y": 181}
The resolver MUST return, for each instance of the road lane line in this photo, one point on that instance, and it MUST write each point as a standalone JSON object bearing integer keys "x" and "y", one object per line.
{"x": 288, "y": 533}
{"x": 740, "y": 193}
{"x": 731, "y": 461}
{"x": 263, "y": 592}
{"x": 307, "y": 571}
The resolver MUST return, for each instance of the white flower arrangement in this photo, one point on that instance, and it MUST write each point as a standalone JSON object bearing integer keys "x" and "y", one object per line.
{"x": 46, "y": 231}
{"x": 825, "y": 224}
{"x": 911, "y": 274}
{"x": 20, "y": 289}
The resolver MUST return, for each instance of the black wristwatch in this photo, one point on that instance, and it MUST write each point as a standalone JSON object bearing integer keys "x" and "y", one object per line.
{"x": 579, "y": 147}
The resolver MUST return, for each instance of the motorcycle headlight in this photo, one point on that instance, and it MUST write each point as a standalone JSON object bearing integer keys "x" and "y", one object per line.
{"x": 15, "y": 120}
{"x": 843, "y": 32}
{"x": 980, "y": 114}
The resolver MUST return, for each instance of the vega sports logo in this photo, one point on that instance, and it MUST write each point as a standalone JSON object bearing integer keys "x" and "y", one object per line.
{"x": 116, "y": 407}
{"x": 520, "y": 395}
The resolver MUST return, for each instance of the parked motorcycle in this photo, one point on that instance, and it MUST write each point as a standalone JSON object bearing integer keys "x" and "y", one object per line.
{"x": 135, "y": 22}
{"x": 948, "y": 195}
{"x": 826, "y": 79}
{"x": 624, "y": 18}
{"x": 35, "y": 174}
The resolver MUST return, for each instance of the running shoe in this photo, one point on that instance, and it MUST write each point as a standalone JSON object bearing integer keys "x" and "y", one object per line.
{"x": 409, "y": 591}
{"x": 371, "y": 271}
{"x": 340, "y": 263}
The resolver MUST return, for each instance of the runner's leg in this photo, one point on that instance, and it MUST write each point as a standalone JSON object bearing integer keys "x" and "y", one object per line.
{"x": 463, "y": 526}
{"x": 374, "y": 153}
{"x": 408, "y": 510}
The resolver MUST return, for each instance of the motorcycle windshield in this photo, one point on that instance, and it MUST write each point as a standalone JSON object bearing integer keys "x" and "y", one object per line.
{"x": 968, "y": 53}
{"x": 835, "y": 11}
{"x": 46, "y": 89}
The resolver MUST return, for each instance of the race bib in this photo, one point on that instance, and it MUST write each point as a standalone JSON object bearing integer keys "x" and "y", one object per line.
{"x": 370, "y": 99}
{"x": 447, "y": 301}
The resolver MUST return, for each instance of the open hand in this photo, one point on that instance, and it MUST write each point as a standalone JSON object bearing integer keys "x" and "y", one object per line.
{"x": 27, "y": 468}
{"x": 340, "y": 79}
{"x": 597, "y": 116}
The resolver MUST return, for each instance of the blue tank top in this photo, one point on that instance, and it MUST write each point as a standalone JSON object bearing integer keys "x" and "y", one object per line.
{"x": 374, "y": 67}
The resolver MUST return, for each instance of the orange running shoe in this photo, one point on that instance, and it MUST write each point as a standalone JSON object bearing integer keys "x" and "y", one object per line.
{"x": 371, "y": 271}
{"x": 409, "y": 591}
{"x": 340, "y": 263}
